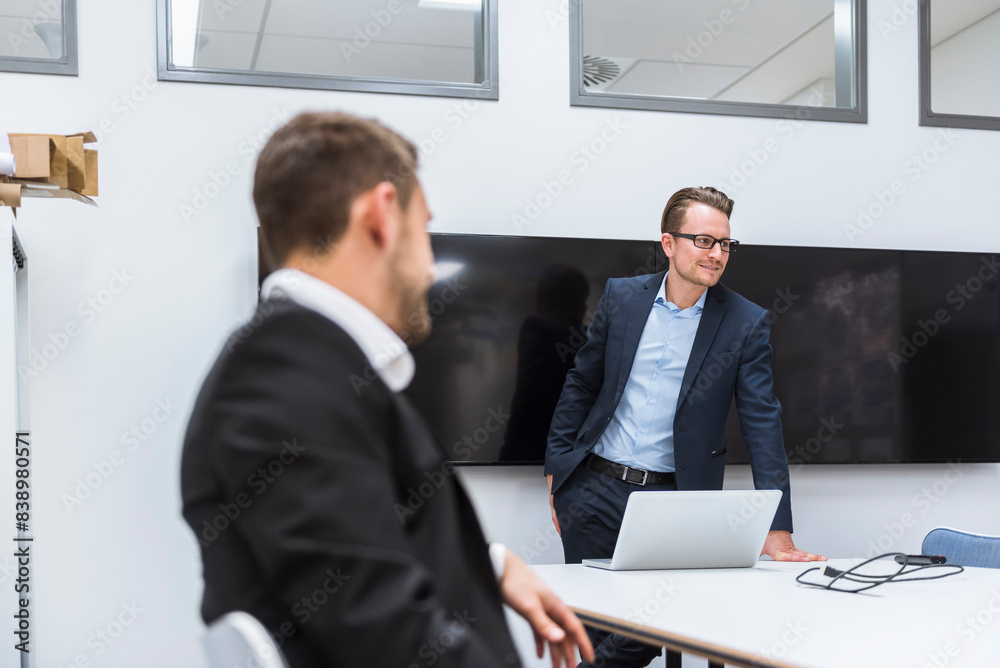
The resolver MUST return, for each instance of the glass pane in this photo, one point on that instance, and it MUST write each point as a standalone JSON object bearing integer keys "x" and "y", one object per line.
{"x": 412, "y": 40}
{"x": 965, "y": 57}
{"x": 780, "y": 52}
{"x": 31, "y": 29}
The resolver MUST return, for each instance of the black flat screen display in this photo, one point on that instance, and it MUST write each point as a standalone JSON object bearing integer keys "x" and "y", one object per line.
{"x": 879, "y": 356}
{"x": 507, "y": 325}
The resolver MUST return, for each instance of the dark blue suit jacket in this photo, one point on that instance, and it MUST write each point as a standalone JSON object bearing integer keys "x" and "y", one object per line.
{"x": 731, "y": 357}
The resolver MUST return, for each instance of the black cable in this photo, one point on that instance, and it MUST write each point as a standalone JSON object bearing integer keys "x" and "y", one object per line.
{"x": 872, "y": 581}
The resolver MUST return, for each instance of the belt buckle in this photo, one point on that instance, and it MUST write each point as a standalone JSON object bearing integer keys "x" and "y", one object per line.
{"x": 645, "y": 475}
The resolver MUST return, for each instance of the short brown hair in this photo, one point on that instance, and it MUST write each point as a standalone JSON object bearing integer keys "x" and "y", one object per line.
{"x": 311, "y": 170}
{"x": 677, "y": 206}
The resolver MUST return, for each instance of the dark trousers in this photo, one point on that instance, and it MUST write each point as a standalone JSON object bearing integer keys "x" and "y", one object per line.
{"x": 590, "y": 507}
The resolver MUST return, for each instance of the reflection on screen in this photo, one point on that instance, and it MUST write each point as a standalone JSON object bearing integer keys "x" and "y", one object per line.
{"x": 878, "y": 355}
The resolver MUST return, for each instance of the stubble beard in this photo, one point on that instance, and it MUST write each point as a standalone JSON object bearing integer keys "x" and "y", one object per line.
{"x": 417, "y": 326}
{"x": 692, "y": 276}
{"x": 414, "y": 314}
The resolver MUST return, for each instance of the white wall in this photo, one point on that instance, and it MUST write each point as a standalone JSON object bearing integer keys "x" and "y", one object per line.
{"x": 192, "y": 282}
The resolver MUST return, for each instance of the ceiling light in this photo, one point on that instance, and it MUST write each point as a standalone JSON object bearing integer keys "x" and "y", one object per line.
{"x": 184, "y": 26}
{"x": 451, "y": 4}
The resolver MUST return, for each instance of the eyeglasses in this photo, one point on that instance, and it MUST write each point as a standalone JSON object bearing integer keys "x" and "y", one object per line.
{"x": 706, "y": 242}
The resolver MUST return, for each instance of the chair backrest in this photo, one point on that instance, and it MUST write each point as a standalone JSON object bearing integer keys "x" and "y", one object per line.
{"x": 238, "y": 640}
{"x": 963, "y": 548}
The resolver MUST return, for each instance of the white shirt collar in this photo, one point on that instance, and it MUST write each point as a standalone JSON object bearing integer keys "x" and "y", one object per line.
{"x": 387, "y": 354}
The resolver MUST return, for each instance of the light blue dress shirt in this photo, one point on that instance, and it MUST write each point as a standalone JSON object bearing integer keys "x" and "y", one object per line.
{"x": 641, "y": 433}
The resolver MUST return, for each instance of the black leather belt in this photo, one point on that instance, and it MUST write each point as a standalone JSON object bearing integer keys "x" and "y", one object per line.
{"x": 629, "y": 474}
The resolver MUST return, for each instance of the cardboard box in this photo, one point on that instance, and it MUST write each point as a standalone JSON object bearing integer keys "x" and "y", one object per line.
{"x": 31, "y": 156}
{"x": 10, "y": 194}
{"x": 53, "y": 166}
{"x": 50, "y": 191}
{"x": 75, "y": 167}
{"x": 90, "y": 173}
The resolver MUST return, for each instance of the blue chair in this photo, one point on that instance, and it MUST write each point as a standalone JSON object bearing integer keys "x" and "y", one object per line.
{"x": 963, "y": 548}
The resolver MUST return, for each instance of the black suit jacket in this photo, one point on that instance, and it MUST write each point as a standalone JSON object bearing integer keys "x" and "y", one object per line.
{"x": 731, "y": 357}
{"x": 324, "y": 507}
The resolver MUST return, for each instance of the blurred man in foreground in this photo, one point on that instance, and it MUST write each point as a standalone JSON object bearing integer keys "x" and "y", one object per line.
{"x": 301, "y": 438}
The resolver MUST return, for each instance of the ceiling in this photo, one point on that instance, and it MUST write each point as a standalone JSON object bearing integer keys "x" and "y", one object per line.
{"x": 733, "y": 50}
{"x": 765, "y": 51}
{"x": 950, "y": 17}
{"x": 334, "y": 37}
{"x": 12, "y": 16}
{"x": 965, "y": 67}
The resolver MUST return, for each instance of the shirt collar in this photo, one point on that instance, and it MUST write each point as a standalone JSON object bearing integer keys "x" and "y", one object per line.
{"x": 696, "y": 308}
{"x": 387, "y": 354}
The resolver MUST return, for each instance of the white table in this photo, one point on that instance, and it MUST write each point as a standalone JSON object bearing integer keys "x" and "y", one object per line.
{"x": 761, "y": 617}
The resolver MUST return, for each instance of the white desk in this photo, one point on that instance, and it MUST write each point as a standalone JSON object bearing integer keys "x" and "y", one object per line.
{"x": 761, "y": 617}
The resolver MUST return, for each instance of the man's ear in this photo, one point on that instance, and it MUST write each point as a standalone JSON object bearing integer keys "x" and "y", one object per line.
{"x": 667, "y": 242}
{"x": 376, "y": 211}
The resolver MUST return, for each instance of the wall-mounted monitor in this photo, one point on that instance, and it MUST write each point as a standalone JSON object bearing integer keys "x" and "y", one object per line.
{"x": 509, "y": 316}
{"x": 879, "y": 355}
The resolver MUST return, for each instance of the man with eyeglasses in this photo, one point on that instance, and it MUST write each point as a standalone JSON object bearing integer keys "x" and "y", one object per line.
{"x": 645, "y": 405}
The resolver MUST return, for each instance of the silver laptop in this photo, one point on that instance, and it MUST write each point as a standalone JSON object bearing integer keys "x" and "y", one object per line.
{"x": 707, "y": 529}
